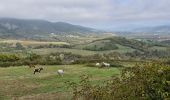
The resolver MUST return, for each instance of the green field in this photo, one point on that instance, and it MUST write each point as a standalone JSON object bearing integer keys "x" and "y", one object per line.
{"x": 19, "y": 83}
{"x": 80, "y": 52}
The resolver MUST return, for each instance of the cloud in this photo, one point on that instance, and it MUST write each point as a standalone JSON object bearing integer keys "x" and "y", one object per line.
{"x": 72, "y": 10}
{"x": 97, "y": 13}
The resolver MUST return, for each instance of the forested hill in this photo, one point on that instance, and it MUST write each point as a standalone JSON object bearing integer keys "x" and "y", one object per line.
{"x": 19, "y": 28}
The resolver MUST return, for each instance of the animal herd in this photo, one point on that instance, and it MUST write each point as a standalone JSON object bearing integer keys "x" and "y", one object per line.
{"x": 103, "y": 64}
{"x": 39, "y": 69}
{"x": 60, "y": 72}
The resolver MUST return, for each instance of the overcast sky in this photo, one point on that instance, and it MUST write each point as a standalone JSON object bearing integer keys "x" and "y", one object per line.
{"x": 102, "y": 14}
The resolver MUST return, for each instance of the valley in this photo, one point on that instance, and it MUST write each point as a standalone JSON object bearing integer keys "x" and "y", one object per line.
{"x": 93, "y": 62}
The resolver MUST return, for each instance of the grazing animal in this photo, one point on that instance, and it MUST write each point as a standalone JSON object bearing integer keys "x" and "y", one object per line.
{"x": 38, "y": 70}
{"x": 97, "y": 64}
{"x": 105, "y": 64}
{"x": 60, "y": 72}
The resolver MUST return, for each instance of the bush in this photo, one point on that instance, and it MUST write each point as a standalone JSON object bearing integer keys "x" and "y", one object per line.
{"x": 144, "y": 82}
{"x": 19, "y": 46}
{"x": 8, "y": 57}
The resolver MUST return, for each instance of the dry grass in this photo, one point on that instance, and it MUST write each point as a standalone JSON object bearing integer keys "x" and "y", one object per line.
{"x": 45, "y": 96}
{"x": 26, "y": 43}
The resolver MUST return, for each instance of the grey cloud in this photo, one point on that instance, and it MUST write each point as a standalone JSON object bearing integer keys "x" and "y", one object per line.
{"x": 69, "y": 9}
{"x": 88, "y": 12}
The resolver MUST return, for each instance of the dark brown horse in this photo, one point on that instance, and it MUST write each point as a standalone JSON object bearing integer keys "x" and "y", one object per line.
{"x": 38, "y": 70}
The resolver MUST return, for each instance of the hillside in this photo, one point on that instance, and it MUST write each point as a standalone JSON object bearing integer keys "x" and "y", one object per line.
{"x": 114, "y": 43}
{"x": 162, "y": 29}
{"x": 98, "y": 46}
{"x": 166, "y": 42}
{"x": 19, "y": 28}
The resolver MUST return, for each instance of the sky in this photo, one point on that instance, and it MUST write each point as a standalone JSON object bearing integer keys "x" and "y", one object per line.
{"x": 100, "y": 14}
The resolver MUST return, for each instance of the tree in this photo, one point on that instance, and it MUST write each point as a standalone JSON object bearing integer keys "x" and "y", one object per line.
{"x": 19, "y": 46}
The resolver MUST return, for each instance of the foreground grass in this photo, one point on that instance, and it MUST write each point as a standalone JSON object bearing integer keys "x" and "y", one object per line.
{"x": 20, "y": 82}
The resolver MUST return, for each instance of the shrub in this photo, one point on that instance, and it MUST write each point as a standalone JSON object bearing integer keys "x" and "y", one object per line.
{"x": 19, "y": 46}
{"x": 144, "y": 82}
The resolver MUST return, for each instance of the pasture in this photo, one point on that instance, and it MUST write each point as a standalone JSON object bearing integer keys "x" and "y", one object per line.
{"x": 79, "y": 51}
{"x": 19, "y": 83}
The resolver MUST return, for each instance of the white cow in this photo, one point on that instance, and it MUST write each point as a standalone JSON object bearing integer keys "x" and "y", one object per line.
{"x": 60, "y": 72}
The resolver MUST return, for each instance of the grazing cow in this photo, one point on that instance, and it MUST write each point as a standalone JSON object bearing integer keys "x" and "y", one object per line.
{"x": 38, "y": 70}
{"x": 60, "y": 72}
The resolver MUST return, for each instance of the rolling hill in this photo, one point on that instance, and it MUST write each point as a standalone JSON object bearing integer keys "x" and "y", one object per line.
{"x": 20, "y": 28}
{"x": 114, "y": 43}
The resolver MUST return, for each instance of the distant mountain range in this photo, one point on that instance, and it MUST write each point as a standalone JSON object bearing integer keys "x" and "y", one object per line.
{"x": 159, "y": 29}
{"x": 20, "y": 28}
{"x": 147, "y": 32}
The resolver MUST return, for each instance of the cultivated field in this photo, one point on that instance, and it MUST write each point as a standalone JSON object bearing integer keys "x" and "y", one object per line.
{"x": 19, "y": 83}
{"x": 33, "y": 43}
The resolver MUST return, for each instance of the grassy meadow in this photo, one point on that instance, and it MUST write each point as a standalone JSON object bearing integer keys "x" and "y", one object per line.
{"x": 19, "y": 83}
{"x": 80, "y": 51}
